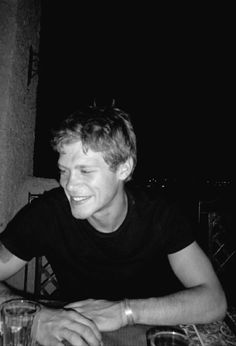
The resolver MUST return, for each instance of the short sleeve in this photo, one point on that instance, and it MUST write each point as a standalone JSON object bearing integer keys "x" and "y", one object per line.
{"x": 25, "y": 233}
{"x": 180, "y": 230}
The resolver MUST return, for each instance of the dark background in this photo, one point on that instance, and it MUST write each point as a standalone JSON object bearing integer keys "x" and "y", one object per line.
{"x": 171, "y": 69}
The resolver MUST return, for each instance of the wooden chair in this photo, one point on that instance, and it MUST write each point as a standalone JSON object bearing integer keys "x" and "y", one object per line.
{"x": 220, "y": 246}
{"x": 45, "y": 281}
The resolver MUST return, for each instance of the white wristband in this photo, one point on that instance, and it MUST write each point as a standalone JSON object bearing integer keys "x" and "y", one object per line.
{"x": 128, "y": 312}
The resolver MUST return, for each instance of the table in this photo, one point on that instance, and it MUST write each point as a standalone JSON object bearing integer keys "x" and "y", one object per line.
{"x": 213, "y": 334}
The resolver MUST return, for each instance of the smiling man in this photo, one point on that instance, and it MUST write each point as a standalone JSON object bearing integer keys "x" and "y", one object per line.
{"x": 93, "y": 190}
{"x": 119, "y": 257}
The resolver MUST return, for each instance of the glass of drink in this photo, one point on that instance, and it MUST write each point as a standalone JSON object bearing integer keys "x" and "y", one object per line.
{"x": 17, "y": 319}
{"x": 166, "y": 336}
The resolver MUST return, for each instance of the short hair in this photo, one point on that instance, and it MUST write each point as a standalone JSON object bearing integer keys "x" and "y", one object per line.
{"x": 102, "y": 129}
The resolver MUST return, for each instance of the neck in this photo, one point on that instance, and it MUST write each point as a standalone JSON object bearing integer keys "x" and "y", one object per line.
{"x": 113, "y": 219}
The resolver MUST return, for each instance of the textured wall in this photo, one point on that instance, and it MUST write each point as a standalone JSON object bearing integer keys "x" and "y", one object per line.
{"x": 19, "y": 29}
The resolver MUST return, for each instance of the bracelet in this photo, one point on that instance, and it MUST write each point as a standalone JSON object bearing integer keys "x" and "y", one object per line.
{"x": 128, "y": 312}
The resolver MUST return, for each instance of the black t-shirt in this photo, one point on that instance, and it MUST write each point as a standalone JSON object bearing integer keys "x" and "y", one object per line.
{"x": 130, "y": 262}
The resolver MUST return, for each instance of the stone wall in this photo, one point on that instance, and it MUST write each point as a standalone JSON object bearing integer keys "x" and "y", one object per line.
{"x": 19, "y": 30}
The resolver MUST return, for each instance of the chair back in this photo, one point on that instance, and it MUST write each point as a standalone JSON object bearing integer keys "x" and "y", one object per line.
{"x": 221, "y": 247}
{"x": 45, "y": 281}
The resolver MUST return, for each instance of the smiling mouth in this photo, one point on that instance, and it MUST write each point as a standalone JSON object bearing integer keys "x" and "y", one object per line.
{"x": 79, "y": 200}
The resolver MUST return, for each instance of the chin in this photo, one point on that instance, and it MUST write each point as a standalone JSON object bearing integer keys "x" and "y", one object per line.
{"x": 79, "y": 215}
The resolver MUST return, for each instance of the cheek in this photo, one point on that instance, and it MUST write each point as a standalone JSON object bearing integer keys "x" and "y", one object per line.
{"x": 109, "y": 186}
{"x": 63, "y": 181}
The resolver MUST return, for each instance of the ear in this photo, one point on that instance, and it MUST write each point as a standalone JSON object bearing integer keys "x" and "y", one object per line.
{"x": 125, "y": 169}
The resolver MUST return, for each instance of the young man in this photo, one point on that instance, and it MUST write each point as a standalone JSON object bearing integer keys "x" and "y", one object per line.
{"x": 119, "y": 257}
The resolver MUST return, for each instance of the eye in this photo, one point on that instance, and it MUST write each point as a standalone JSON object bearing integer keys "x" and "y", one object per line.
{"x": 86, "y": 171}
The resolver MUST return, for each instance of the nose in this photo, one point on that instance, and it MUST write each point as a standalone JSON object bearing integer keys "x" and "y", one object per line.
{"x": 74, "y": 180}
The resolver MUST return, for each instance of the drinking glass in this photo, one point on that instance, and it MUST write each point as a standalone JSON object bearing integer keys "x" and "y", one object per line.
{"x": 17, "y": 318}
{"x": 166, "y": 336}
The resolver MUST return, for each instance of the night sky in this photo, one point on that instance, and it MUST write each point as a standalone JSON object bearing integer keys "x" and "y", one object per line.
{"x": 175, "y": 78}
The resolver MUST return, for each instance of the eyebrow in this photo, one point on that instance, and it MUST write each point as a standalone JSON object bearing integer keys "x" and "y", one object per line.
{"x": 77, "y": 166}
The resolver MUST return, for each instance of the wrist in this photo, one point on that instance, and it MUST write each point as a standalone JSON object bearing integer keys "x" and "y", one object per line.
{"x": 128, "y": 312}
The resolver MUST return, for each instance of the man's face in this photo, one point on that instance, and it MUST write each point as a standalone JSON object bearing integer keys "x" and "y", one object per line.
{"x": 90, "y": 186}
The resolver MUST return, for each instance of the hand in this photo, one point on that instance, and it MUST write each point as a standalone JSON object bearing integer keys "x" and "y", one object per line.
{"x": 106, "y": 315}
{"x": 56, "y": 325}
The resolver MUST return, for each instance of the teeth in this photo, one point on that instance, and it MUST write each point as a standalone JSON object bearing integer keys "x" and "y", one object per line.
{"x": 77, "y": 199}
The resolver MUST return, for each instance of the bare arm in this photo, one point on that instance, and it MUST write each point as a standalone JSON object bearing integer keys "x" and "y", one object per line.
{"x": 202, "y": 300}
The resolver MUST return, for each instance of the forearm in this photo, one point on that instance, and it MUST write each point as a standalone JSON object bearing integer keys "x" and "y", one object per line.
{"x": 7, "y": 293}
{"x": 194, "y": 305}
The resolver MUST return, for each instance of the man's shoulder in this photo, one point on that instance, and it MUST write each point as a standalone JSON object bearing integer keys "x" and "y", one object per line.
{"x": 56, "y": 192}
{"x": 54, "y": 197}
{"x": 146, "y": 199}
{"x": 155, "y": 204}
